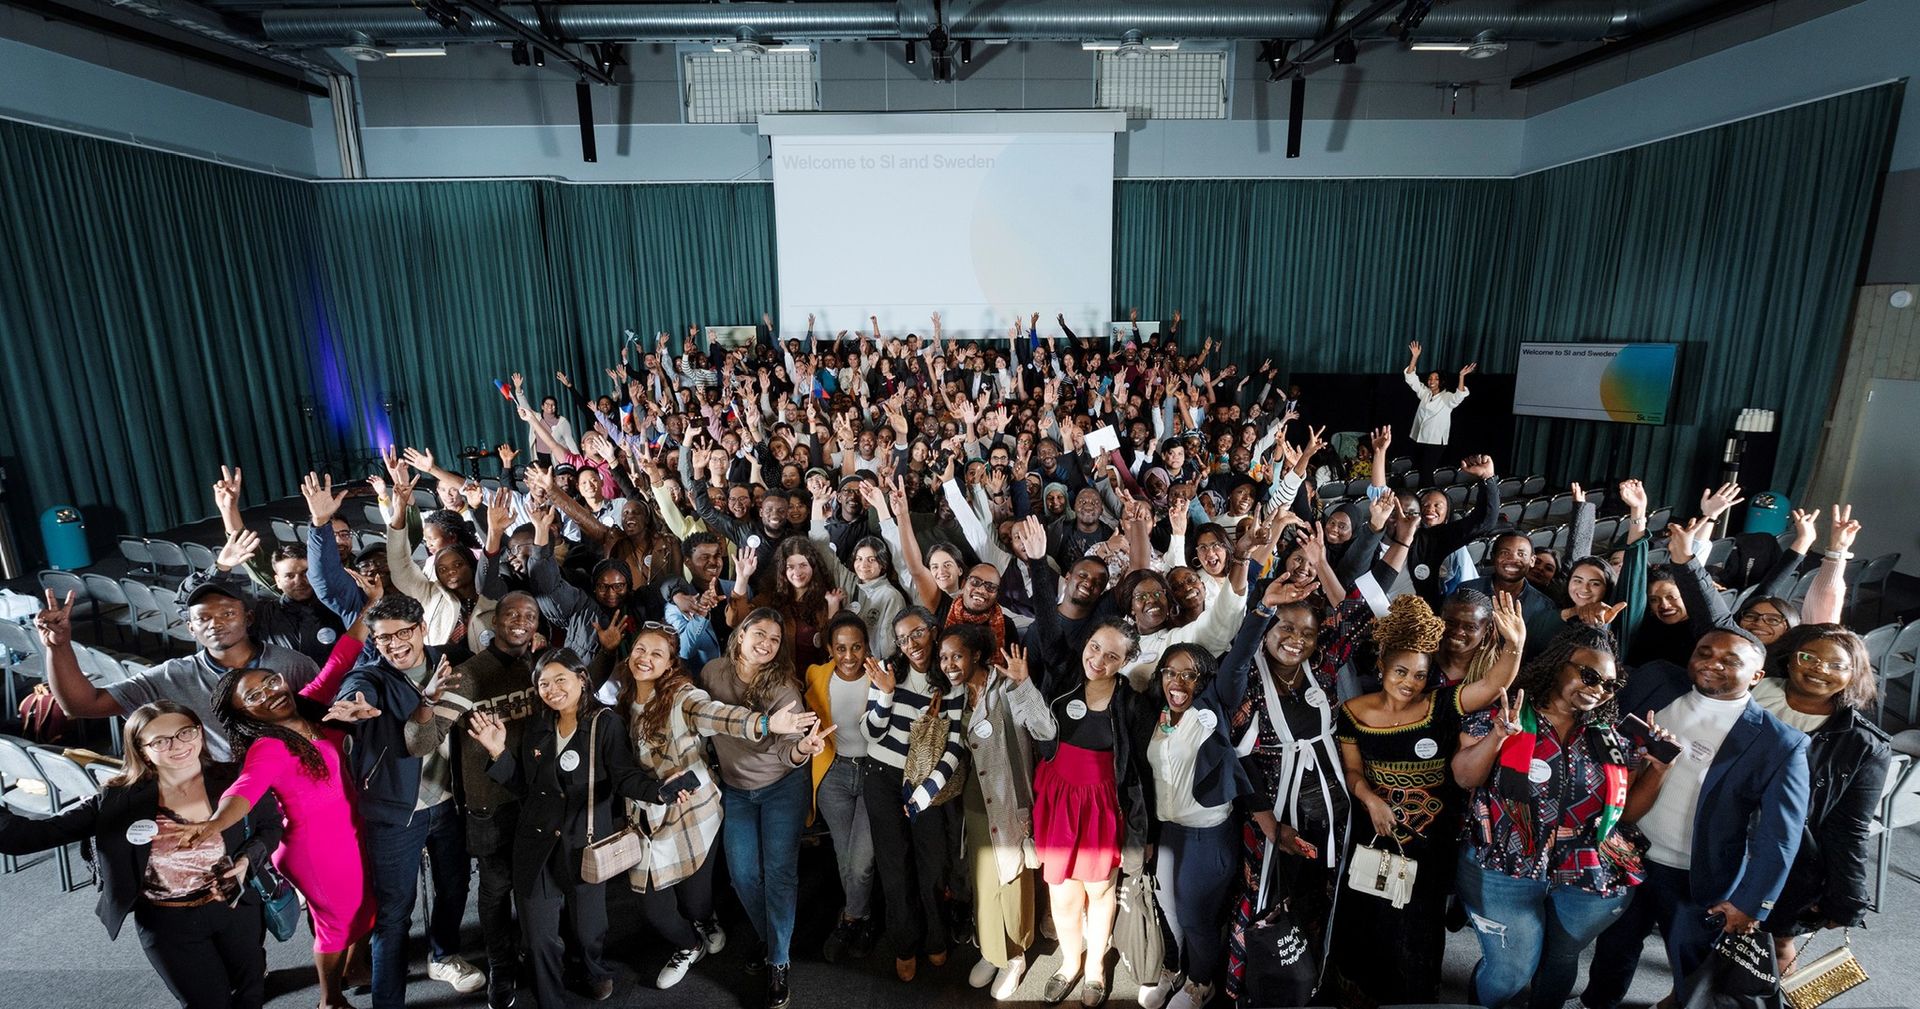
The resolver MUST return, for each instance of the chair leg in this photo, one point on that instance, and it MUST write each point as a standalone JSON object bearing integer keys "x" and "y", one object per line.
{"x": 1886, "y": 855}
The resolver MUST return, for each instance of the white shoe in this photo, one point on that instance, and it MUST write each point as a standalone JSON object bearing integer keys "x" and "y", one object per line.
{"x": 1193, "y": 996}
{"x": 1155, "y": 996}
{"x": 677, "y": 966}
{"x": 1006, "y": 982}
{"x": 712, "y": 936}
{"x": 463, "y": 976}
{"x": 982, "y": 974}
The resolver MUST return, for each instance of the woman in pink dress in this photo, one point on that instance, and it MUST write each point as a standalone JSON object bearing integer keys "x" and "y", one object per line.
{"x": 288, "y": 751}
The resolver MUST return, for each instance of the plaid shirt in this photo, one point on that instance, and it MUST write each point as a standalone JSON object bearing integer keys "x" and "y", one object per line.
{"x": 681, "y": 836}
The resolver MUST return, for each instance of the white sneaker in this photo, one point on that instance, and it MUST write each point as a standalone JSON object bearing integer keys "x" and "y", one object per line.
{"x": 712, "y": 936}
{"x": 982, "y": 973}
{"x": 677, "y": 966}
{"x": 1006, "y": 982}
{"x": 1193, "y": 996}
{"x": 1155, "y": 996}
{"x": 463, "y": 976}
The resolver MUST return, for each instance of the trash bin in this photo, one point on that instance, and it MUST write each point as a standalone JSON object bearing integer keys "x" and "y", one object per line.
{"x": 1767, "y": 512}
{"x": 64, "y": 533}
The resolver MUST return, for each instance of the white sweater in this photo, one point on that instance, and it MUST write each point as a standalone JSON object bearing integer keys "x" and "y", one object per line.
{"x": 1700, "y": 724}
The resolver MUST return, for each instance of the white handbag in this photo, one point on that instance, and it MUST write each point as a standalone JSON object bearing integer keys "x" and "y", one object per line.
{"x": 1383, "y": 873}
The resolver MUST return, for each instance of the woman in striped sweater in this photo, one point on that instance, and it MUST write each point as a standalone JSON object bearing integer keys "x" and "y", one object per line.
{"x": 912, "y": 831}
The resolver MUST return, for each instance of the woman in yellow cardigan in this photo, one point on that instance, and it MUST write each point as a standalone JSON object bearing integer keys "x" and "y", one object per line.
{"x": 837, "y": 692}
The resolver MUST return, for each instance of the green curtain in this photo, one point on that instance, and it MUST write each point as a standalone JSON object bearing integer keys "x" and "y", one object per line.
{"x": 151, "y": 329}
{"x": 1741, "y": 243}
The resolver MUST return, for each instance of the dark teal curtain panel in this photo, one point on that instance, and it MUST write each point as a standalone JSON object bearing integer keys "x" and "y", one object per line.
{"x": 1740, "y": 243}
{"x": 160, "y": 316}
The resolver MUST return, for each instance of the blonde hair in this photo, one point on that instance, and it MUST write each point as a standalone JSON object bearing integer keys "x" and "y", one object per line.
{"x": 1409, "y": 626}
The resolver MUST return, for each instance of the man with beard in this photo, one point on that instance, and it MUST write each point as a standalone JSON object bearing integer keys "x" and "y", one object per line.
{"x": 693, "y": 602}
{"x": 497, "y": 680}
{"x": 580, "y": 621}
{"x": 1073, "y": 534}
{"x": 1511, "y": 557}
{"x": 294, "y": 619}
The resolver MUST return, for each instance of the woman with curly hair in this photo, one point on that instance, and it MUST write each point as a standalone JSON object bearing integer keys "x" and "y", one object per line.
{"x": 1395, "y": 744}
{"x": 669, "y": 719}
{"x": 1546, "y": 867}
{"x": 286, "y": 749}
{"x": 799, "y": 592}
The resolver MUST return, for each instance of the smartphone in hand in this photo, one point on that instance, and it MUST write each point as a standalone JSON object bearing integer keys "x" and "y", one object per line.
{"x": 1641, "y": 734}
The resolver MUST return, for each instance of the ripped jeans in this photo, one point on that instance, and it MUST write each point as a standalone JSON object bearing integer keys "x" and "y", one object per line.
{"x": 1531, "y": 933}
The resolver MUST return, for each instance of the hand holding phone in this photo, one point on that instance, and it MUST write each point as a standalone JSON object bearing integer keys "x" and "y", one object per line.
{"x": 1658, "y": 743}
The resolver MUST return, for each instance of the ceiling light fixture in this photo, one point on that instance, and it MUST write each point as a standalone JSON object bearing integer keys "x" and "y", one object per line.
{"x": 912, "y": 56}
{"x": 1346, "y": 52}
{"x": 419, "y": 51}
{"x": 1440, "y": 47}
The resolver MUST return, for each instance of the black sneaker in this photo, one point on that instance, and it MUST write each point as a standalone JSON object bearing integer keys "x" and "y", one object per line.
{"x": 841, "y": 940}
{"x": 778, "y": 994}
{"x": 500, "y": 985}
{"x": 864, "y": 937}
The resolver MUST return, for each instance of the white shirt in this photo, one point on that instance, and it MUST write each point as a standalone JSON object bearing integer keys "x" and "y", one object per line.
{"x": 1172, "y": 756}
{"x": 1433, "y": 421}
{"x": 1771, "y": 694}
{"x": 1700, "y": 724}
{"x": 847, "y": 702}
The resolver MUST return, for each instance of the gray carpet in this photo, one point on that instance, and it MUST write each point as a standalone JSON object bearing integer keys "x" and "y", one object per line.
{"x": 53, "y": 954}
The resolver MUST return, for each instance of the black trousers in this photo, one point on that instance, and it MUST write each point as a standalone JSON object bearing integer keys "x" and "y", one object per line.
{"x": 490, "y": 840}
{"x": 913, "y": 860}
{"x": 1427, "y": 458}
{"x": 545, "y": 909}
{"x": 671, "y": 911}
{"x": 210, "y": 957}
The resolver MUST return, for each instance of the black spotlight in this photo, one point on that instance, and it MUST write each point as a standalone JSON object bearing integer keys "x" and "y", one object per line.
{"x": 912, "y": 54}
{"x": 520, "y": 56}
{"x": 966, "y": 51}
{"x": 539, "y": 57}
{"x": 1345, "y": 51}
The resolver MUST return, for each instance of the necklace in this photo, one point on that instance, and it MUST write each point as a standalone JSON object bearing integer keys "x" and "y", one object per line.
{"x": 1166, "y": 720}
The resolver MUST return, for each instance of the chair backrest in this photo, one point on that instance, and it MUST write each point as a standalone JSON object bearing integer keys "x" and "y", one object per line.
{"x": 1900, "y": 803}
{"x": 1444, "y": 476}
{"x": 134, "y": 668}
{"x": 1874, "y": 575}
{"x": 1357, "y": 487}
{"x": 284, "y": 530}
{"x": 139, "y": 595}
{"x": 1659, "y": 519}
{"x": 1560, "y": 506}
{"x": 1477, "y": 549}
{"x": 167, "y": 555}
{"x": 425, "y": 499}
{"x": 104, "y": 590}
{"x": 1457, "y": 495}
{"x": 102, "y": 772}
{"x": 199, "y": 556}
{"x": 99, "y": 667}
{"x": 1604, "y": 532}
{"x": 69, "y": 781}
{"x": 1878, "y": 641}
{"x": 134, "y": 549}
{"x": 1399, "y": 464}
{"x": 1535, "y": 510}
{"x": 1510, "y": 487}
{"x": 1801, "y": 586}
{"x": 1333, "y": 488}
{"x": 167, "y": 601}
{"x": 1721, "y": 549}
{"x": 17, "y": 766}
{"x": 1543, "y": 537}
{"x": 19, "y": 639}
{"x": 364, "y": 538}
{"x": 1510, "y": 512}
{"x": 1901, "y": 654}
{"x": 62, "y": 582}
{"x": 1533, "y": 485}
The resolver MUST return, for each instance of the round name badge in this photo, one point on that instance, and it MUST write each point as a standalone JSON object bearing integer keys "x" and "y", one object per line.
{"x": 753, "y": 542}
{"x": 142, "y": 832}
{"x": 1316, "y": 697}
{"x": 1425, "y": 749}
{"x": 984, "y": 730}
{"x": 326, "y": 635}
{"x": 1208, "y": 719}
{"x": 1421, "y": 571}
{"x": 1076, "y": 709}
{"x": 1539, "y": 771}
{"x": 569, "y": 760}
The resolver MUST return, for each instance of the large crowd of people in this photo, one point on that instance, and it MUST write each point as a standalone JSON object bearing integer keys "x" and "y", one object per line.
{"x": 1027, "y": 624}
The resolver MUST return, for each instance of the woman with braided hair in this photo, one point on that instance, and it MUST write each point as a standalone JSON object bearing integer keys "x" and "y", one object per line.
{"x": 1395, "y": 744}
{"x": 1547, "y": 866}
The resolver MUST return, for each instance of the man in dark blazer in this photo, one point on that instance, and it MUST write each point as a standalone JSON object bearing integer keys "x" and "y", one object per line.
{"x": 1730, "y": 812}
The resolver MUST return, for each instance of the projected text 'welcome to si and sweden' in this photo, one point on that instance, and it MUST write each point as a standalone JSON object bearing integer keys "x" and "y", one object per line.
{"x": 885, "y": 162}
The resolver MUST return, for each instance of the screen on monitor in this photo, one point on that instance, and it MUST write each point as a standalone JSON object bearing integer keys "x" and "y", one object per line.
{"x": 1629, "y": 383}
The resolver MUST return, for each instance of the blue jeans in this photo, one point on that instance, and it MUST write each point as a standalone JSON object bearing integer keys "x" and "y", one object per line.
{"x": 393, "y": 850}
{"x": 1531, "y": 932}
{"x": 843, "y": 805}
{"x": 762, "y": 841}
{"x": 1665, "y": 899}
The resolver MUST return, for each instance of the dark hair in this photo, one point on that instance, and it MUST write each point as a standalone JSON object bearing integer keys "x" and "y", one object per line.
{"x": 810, "y": 603}
{"x": 898, "y": 660}
{"x": 650, "y": 724}
{"x": 1503, "y": 537}
{"x": 780, "y": 670}
{"x": 1130, "y": 584}
{"x": 1203, "y": 661}
{"x": 289, "y": 552}
{"x": 1861, "y": 689}
{"x": 884, "y": 554}
{"x": 974, "y": 638}
{"x": 243, "y": 730}
{"x": 452, "y": 527}
{"x": 564, "y": 656}
{"x": 395, "y": 606}
{"x": 845, "y": 620}
{"x": 1540, "y": 676}
{"x": 1119, "y": 623}
{"x": 1786, "y": 608}
{"x": 1607, "y": 574}
{"x": 135, "y": 768}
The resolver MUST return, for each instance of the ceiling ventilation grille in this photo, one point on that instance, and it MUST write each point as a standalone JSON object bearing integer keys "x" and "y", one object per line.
{"x": 1163, "y": 85}
{"x": 735, "y": 87}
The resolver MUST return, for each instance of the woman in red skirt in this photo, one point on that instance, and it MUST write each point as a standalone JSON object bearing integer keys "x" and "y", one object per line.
{"x": 1089, "y": 805}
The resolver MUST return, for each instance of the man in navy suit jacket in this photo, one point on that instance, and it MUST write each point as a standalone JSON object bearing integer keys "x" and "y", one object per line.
{"x": 1728, "y": 819}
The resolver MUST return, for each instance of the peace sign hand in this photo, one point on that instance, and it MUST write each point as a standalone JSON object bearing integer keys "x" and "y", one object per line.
{"x": 814, "y": 741}
{"x": 55, "y": 623}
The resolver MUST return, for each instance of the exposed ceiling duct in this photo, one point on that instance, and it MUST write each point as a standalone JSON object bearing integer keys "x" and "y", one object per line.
{"x": 1014, "y": 20}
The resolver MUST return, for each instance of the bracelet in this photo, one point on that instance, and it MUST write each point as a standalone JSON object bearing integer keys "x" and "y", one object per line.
{"x": 1397, "y": 543}
{"x": 1838, "y": 555}
{"x": 764, "y": 722}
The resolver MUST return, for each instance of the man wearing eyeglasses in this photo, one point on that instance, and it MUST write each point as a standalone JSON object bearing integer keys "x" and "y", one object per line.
{"x": 405, "y": 796}
{"x": 1728, "y": 819}
{"x": 219, "y": 619}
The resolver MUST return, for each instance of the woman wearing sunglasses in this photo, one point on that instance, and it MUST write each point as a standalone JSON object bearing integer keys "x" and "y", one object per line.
{"x": 200, "y": 926}
{"x": 1821, "y": 682}
{"x": 1546, "y": 867}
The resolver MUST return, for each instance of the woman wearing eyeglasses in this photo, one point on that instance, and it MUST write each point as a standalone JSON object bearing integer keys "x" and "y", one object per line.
{"x": 669, "y": 720}
{"x": 1821, "y": 682}
{"x": 1547, "y": 867}
{"x": 198, "y": 922}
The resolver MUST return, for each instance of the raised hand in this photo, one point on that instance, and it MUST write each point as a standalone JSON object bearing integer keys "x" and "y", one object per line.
{"x": 1380, "y": 511}
{"x": 1382, "y": 438}
{"x": 1633, "y": 494}
{"x": 1015, "y": 665}
{"x": 814, "y": 741}
{"x": 1803, "y": 529}
{"x": 489, "y": 731}
{"x": 836, "y": 601}
{"x": 1413, "y": 346}
{"x": 240, "y": 547}
{"x": 1468, "y": 370}
{"x": 55, "y": 622}
{"x": 352, "y": 709}
{"x": 371, "y": 588}
{"x": 1285, "y": 591}
{"x": 791, "y": 719}
{"x": 1509, "y": 620}
{"x": 1715, "y": 502}
{"x": 561, "y": 377}
{"x": 1481, "y": 466}
{"x": 419, "y": 459}
{"x": 226, "y": 490}
{"x": 1579, "y": 496}
{"x": 507, "y": 454}
{"x": 609, "y": 633}
{"x": 1598, "y": 613}
{"x": 1680, "y": 538}
{"x": 878, "y": 673}
{"x": 1841, "y": 534}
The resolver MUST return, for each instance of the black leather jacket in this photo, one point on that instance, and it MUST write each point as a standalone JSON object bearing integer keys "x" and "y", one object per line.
{"x": 1847, "y": 764}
